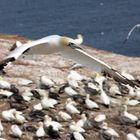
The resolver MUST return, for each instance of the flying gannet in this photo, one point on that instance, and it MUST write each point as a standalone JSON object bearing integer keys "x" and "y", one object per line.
{"x": 130, "y": 32}
{"x": 69, "y": 48}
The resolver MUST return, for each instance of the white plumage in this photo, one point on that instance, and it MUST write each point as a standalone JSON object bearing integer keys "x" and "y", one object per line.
{"x": 100, "y": 118}
{"x": 90, "y": 104}
{"x": 4, "y": 84}
{"x": 131, "y": 102}
{"x": 1, "y": 128}
{"x": 69, "y": 91}
{"x": 74, "y": 76}
{"x": 38, "y": 106}
{"x": 69, "y": 48}
{"x": 8, "y": 115}
{"x": 131, "y": 136}
{"x": 75, "y": 128}
{"x": 82, "y": 121}
{"x": 16, "y": 131}
{"x": 78, "y": 136}
{"x": 40, "y": 131}
{"x": 48, "y": 121}
{"x": 108, "y": 131}
{"x": 64, "y": 116}
{"x": 48, "y": 103}
{"x": 104, "y": 98}
{"x": 129, "y": 115}
{"x": 44, "y": 80}
{"x": 69, "y": 106}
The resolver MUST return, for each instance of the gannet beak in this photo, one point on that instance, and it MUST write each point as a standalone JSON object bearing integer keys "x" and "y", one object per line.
{"x": 74, "y": 46}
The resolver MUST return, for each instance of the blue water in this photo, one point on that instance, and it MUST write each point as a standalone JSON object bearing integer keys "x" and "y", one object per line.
{"x": 104, "y": 23}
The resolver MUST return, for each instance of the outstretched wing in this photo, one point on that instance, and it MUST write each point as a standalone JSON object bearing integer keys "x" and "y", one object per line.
{"x": 35, "y": 47}
{"x": 95, "y": 64}
{"x": 130, "y": 32}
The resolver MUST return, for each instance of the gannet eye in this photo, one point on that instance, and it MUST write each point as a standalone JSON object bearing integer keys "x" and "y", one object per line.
{"x": 74, "y": 46}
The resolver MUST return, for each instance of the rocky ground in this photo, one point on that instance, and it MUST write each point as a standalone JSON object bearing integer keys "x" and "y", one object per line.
{"x": 57, "y": 68}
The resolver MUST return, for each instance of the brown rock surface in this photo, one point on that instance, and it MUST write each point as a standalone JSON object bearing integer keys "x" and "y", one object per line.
{"x": 56, "y": 67}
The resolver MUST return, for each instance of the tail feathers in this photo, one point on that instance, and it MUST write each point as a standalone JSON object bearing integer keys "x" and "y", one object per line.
{"x": 6, "y": 62}
{"x": 120, "y": 78}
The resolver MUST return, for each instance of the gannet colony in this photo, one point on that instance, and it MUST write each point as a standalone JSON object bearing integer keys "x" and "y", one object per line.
{"x": 101, "y": 106}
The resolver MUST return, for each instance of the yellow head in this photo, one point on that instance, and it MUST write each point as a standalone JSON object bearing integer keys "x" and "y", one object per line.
{"x": 68, "y": 42}
{"x": 64, "y": 41}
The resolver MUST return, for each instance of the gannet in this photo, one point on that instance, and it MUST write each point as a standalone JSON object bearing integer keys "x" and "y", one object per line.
{"x": 16, "y": 131}
{"x": 131, "y": 136}
{"x": 4, "y": 84}
{"x": 69, "y": 106}
{"x": 1, "y": 128}
{"x": 128, "y": 115}
{"x": 48, "y": 121}
{"x": 70, "y": 91}
{"x": 90, "y": 104}
{"x": 54, "y": 134}
{"x": 138, "y": 133}
{"x": 99, "y": 79}
{"x": 100, "y": 118}
{"x": 107, "y": 133}
{"x": 45, "y": 81}
{"x": 8, "y": 115}
{"x": 40, "y": 131}
{"x": 75, "y": 76}
{"x": 76, "y": 136}
{"x": 19, "y": 118}
{"x": 38, "y": 106}
{"x": 75, "y": 128}
{"x": 82, "y": 121}
{"x": 64, "y": 116}
{"x": 48, "y": 103}
{"x": 69, "y": 48}
{"x": 114, "y": 90}
{"x": 130, "y": 32}
{"x": 127, "y": 118}
{"x": 131, "y": 102}
{"x": 105, "y": 100}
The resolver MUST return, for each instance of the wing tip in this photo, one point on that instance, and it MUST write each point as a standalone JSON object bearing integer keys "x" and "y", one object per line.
{"x": 5, "y": 62}
{"x": 120, "y": 78}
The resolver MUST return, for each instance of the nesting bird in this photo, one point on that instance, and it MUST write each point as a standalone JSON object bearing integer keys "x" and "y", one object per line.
{"x": 46, "y": 82}
{"x": 70, "y": 92}
{"x": 15, "y": 131}
{"x": 114, "y": 90}
{"x": 76, "y": 128}
{"x": 131, "y": 102}
{"x": 82, "y": 121}
{"x": 127, "y": 118}
{"x": 48, "y": 102}
{"x": 76, "y": 136}
{"x": 8, "y": 115}
{"x": 90, "y": 104}
{"x": 1, "y": 128}
{"x": 40, "y": 131}
{"x": 4, "y": 84}
{"x": 69, "y": 106}
{"x": 107, "y": 133}
{"x": 105, "y": 100}
{"x": 64, "y": 116}
{"x": 48, "y": 121}
{"x": 131, "y": 136}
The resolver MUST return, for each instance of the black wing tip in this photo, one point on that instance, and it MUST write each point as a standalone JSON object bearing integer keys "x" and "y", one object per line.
{"x": 5, "y": 62}
{"x": 122, "y": 79}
